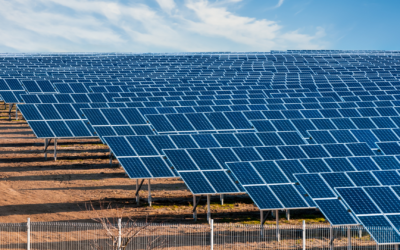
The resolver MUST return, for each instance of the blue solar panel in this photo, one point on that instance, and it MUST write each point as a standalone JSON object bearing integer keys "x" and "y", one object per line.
{"x": 386, "y": 162}
{"x": 290, "y": 168}
{"x": 160, "y": 123}
{"x": 315, "y": 186}
{"x": 380, "y": 229}
{"x": 385, "y": 135}
{"x": 264, "y": 126}
{"x": 391, "y": 148}
{"x": 134, "y": 167}
{"x": 204, "y": 159}
{"x": 114, "y": 117}
{"x": 387, "y": 177}
{"x": 66, "y": 111}
{"x": 335, "y": 212}
{"x": 59, "y": 129}
{"x": 180, "y": 122}
{"x": 358, "y": 201}
{"x": 339, "y": 164}
{"x": 197, "y": 182}
{"x": 227, "y": 140}
{"x": 78, "y": 129}
{"x": 315, "y": 165}
{"x": 124, "y": 130}
{"x": 157, "y": 167}
{"x": 363, "y": 163}
{"x": 288, "y": 196}
{"x": 247, "y": 154}
{"x": 322, "y": 137}
{"x": 105, "y": 131}
{"x": 363, "y": 179}
{"x": 263, "y": 197}
{"x": 220, "y": 181}
{"x": 343, "y": 136}
{"x": 205, "y": 141}
{"x": 245, "y": 173}
{"x": 41, "y": 129}
{"x": 180, "y": 160}
{"x": 184, "y": 141}
{"x": 337, "y": 180}
{"x": 224, "y": 155}
{"x": 142, "y": 145}
{"x": 385, "y": 199}
{"x": 337, "y": 150}
{"x": 315, "y": 151}
{"x": 292, "y": 152}
{"x": 269, "y": 153}
{"x": 95, "y": 117}
{"x": 30, "y": 112}
{"x": 270, "y": 172}
{"x": 132, "y": 115}
{"x": 120, "y": 146}
{"x": 199, "y": 122}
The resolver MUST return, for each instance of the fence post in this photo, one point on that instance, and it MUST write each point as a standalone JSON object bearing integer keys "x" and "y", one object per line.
{"x": 261, "y": 221}
{"x": 331, "y": 237}
{"x": 119, "y": 233}
{"x": 304, "y": 235}
{"x": 212, "y": 234}
{"x": 208, "y": 209}
{"x": 28, "y": 234}
{"x": 348, "y": 238}
{"x": 278, "y": 236}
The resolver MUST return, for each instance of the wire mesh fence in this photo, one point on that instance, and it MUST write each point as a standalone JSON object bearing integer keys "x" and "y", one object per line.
{"x": 129, "y": 236}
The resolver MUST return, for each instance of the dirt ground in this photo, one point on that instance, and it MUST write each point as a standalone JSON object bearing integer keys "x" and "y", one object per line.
{"x": 48, "y": 190}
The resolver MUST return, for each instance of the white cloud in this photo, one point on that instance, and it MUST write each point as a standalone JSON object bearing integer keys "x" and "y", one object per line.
{"x": 279, "y": 3}
{"x": 105, "y": 25}
{"x": 167, "y": 5}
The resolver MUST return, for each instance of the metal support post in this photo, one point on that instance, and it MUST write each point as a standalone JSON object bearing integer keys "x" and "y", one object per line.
{"x": 331, "y": 238}
{"x": 377, "y": 247}
{"x": 119, "y": 233}
{"x": 16, "y": 113}
{"x": 360, "y": 232}
{"x": 222, "y": 199}
{"x": 9, "y": 110}
{"x": 55, "y": 149}
{"x": 348, "y": 238}
{"x": 288, "y": 214}
{"x": 278, "y": 235}
{"x": 304, "y": 235}
{"x": 194, "y": 208}
{"x": 149, "y": 196}
{"x": 212, "y": 234}
{"x": 28, "y": 234}
{"x": 137, "y": 192}
{"x": 110, "y": 157}
{"x": 396, "y": 247}
{"x": 208, "y": 208}
{"x": 46, "y": 141}
{"x": 195, "y": 204}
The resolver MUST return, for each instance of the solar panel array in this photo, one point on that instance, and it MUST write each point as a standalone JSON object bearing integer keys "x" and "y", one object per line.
{"x": 293, "y": 129}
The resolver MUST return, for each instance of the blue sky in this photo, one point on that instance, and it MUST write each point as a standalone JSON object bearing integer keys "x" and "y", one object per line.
{"x": 197, "y": 25}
